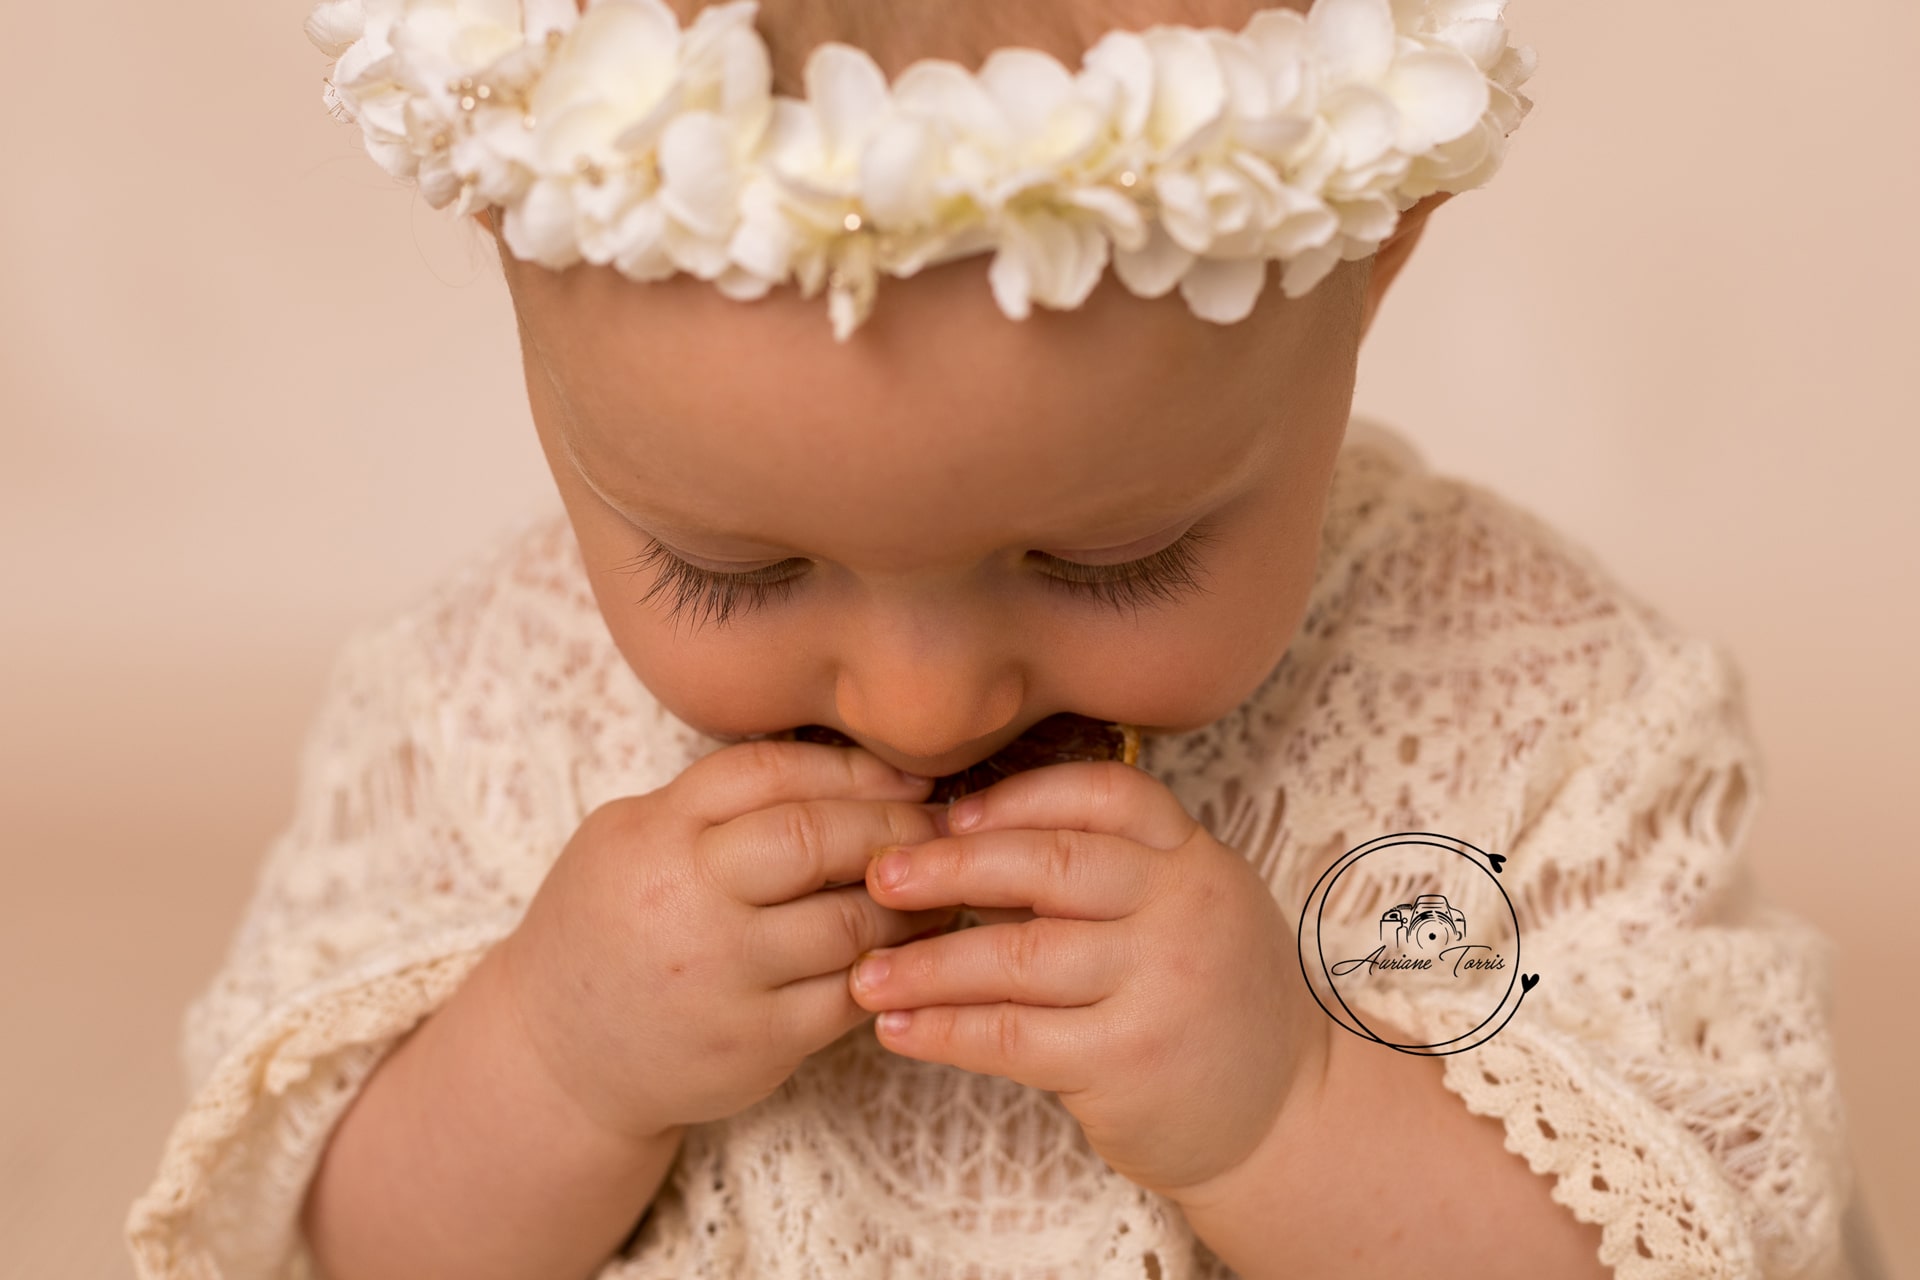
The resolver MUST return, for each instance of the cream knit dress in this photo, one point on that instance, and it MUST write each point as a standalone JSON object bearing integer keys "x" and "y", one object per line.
{"x": 1462, "y": 668}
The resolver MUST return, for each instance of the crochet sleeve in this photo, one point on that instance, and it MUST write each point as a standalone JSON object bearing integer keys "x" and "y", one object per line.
{"x": 1673, "y": 1072}
{"x": 354, "y": 933}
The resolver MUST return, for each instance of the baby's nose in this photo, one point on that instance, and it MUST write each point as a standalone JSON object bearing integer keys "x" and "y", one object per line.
{"x": 928, "y": 724}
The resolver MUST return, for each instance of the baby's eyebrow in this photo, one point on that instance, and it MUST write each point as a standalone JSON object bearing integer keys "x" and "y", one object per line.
{"x": 1163, "y": 513}
{"x": 682, "y": 528}
{"x": 625, "y": 506}
{"x": 641, "y": 512}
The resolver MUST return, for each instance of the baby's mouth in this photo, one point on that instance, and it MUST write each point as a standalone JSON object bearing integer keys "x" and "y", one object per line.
{"x": 1058, "y": 739}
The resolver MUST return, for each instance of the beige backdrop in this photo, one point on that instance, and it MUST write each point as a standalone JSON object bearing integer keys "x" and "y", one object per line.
{"x": 252, "y": 394}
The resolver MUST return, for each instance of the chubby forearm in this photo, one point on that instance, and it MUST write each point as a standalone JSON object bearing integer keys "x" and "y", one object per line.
{"x": 458, "y": 1157}
{"x": 1378, "y": 1169}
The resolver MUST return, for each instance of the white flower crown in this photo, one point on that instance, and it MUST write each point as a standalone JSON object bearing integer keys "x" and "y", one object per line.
{"x": 615, "y": 136}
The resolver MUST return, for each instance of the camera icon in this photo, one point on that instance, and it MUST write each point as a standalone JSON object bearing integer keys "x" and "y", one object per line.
{"x": 1428, "y": 923}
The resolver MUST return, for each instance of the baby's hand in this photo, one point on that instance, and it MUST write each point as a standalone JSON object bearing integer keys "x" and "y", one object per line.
{"x": 684, "y": 955}
{"x": 1157, "y": 991}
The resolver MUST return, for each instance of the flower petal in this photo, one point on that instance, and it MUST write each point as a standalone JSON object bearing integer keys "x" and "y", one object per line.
{"x": 945, "y": 96}
{"x": 1481, "y": 39}
{"x": 746, "y": 77}
{"x": 1010, "y": 274}
{"x": 1224, "y": 290}
{"x": 1190, "y": 90}
{"x": 847, "y": 92}
{"x": 626, "y": 54}
{"x": 714, "y": 28}
{"x": 1306, "y": 271}
{"x": 1120, "y": 214}
{"x": 537, "y": 17}
{"x": 1118, "y": 68}
{"x": 1029, "y": 86}
{"x": 699, "y": 187}
{"x": 763, "y": 242}
{"x": 1440, "y": 95}
{"x": 335, "y": 25}
{"x": 1184, "y": 212}
{"x": 641, "y": 233}
{"x": 1305, "y": 223}
{"x": 1067, "y": 259}
{"x": 1353, "y": 38}
{"x": 1153, "y": 269}
{"x": 898, "y": 170}
{"x": 1368, "y": 218}
{"x": 742, "y": 285}
{"x": 1364, "y": 123}
{"x": 1283, "y": 46}
{"x": 540, "y": 227}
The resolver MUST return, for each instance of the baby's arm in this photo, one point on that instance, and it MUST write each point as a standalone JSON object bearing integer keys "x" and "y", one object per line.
{"x": 419, "y": 992}
{"x": 373, "y": 909}
{"x": 1387, "y": 1174}
{"x": 1671, "y": 1081}
{"x": 461, "y": 1156}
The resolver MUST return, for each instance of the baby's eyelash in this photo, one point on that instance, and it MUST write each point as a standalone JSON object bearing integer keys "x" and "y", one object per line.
{"x": 718, "y": 594}
{"x": 1165, "y": 576}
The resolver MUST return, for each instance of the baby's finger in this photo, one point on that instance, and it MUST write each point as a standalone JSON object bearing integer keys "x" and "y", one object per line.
{"x": 826, "y": 932}
{"x": 1063, "y": 963}
{"x": 752, "y": 775}
{"x": 1104, "y": 797}
{"x": 1063, "y": 873}
{"x": 787, "y": 851}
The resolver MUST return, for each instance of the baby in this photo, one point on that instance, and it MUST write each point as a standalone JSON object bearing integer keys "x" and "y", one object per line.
{"x": 559, "y": 969}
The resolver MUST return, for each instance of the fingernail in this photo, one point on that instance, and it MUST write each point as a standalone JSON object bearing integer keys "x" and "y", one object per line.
{"x": 872, "y": 969}
{"x": 892, "y": 870}
{"x": 894, "y": 1021}
{"x": 911, "y": 778}
{"x": 965, "y": 812}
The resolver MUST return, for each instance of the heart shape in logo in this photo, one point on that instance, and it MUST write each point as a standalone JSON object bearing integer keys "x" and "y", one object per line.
{"x": 1526, "y": 982}
{"x": 1498, "y": 860}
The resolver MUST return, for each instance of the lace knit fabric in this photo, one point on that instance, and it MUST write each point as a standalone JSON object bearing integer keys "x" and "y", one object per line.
{"x": 1462, "y": 668}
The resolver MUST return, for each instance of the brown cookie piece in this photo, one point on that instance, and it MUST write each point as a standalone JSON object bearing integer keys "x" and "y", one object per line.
{"x": 1055, "y": 740}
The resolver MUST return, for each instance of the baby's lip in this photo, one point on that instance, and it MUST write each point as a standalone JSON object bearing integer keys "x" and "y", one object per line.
{"x": 931, "y": 768}
{"x": 733, "y": 738}
{"x": 1054, "y": 739}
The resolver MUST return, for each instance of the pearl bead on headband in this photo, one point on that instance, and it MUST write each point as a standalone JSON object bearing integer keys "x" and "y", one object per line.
{"x": 1189, "y": 156}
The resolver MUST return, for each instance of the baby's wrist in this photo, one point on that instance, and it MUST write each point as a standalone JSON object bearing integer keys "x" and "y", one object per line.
{"x": 523, "y": 1051}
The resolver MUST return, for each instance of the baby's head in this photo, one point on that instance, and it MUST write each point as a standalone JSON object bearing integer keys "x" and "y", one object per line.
{"x": 953, "y": 524}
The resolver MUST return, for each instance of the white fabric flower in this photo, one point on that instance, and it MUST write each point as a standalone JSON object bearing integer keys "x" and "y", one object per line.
{"x": 1187, "y": 157}
{"x": 1018, "y": 153}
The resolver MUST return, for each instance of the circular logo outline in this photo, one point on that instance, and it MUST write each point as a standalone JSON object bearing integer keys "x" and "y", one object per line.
{"x": 1323, "y": 888}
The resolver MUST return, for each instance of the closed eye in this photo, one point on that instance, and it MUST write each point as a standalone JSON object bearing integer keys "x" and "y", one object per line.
{"x": 1165, "y": 577}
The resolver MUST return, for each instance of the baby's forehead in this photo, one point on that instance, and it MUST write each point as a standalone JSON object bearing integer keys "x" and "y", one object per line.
{"x": 940, "y": 405}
